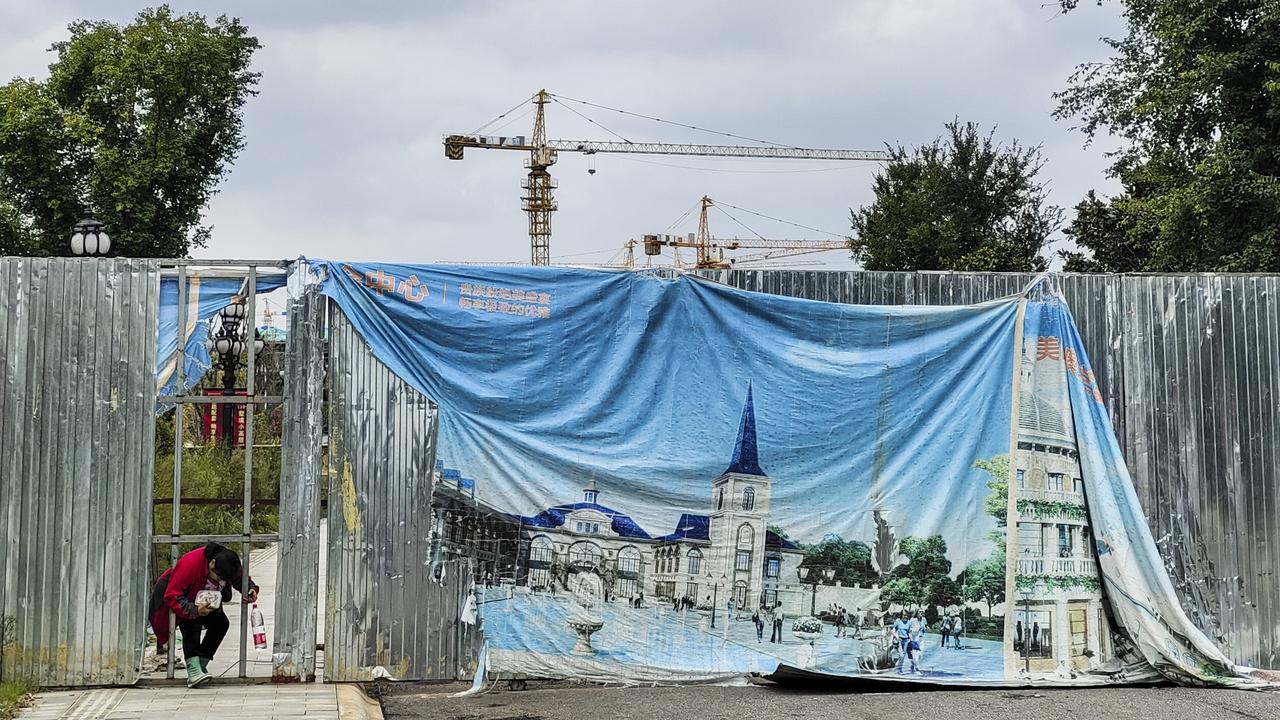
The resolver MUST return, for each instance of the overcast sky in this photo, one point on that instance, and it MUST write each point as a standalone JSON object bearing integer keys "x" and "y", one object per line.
{"x": 344, "y": 155}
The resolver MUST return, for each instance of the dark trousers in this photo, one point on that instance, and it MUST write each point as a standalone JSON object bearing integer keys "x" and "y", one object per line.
{"x": 214, "y": 626}
{"x": 776, "y": 635}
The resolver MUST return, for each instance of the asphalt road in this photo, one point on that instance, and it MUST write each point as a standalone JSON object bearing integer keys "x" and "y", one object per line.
{"x": 543, "y": 701}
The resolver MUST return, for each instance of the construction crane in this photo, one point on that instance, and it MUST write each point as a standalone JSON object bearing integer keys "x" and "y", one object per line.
{"x": 710, "y": 250}
{"x": 538, "y": 200}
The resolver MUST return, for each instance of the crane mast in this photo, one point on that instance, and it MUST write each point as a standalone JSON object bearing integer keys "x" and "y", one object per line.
{"x": 538, "y": 198}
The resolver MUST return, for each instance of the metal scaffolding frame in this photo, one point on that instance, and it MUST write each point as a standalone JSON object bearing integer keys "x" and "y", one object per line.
{"x": 249, "y": 270}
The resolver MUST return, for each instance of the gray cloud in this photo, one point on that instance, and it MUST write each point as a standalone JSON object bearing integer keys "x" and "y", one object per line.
{"x": 344, "y": 156}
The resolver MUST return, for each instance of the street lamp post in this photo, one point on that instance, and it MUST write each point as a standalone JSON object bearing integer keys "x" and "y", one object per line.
{"x": 802, "y": 573}
{"x": 88, "y": 239}
{"x": 229, "y": 343}
{"x": 1026, "y": 631}
{"x": 715, "y": 598}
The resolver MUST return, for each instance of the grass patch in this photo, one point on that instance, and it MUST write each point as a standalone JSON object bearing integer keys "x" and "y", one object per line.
{"x": 13, "y": 694}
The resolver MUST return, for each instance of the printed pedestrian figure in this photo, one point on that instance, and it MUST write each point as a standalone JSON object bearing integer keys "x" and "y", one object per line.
{"x": 841, "y": 620}
{"x": 758, "y": 618}
{"x": 1035, "y": 636}
{"x": 957, "y": 626}
{"x": 778, "y": 617}
{"x": 857, "y": 623}
{"x": 918, "y": 627}
{"x": 1017, "y": 637}
{"x": 902, "y": 631}
{"x": 946, "y": 630}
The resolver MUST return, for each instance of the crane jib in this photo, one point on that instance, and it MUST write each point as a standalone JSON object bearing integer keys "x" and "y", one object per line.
{"x": 455, "y": 144}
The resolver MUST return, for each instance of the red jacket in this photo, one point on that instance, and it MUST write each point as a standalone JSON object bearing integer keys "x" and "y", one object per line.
{"x": 177, "y": 588}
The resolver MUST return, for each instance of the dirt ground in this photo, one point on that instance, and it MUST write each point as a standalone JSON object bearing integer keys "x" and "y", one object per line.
{"x": 569, "y": 701}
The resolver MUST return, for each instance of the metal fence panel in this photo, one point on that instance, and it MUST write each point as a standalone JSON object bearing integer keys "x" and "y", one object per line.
{"x": 77, "y": 424}
{"x": 297, "y": 579}
{"x": 385, "y": 614}
{"x": 1189, "y": 366}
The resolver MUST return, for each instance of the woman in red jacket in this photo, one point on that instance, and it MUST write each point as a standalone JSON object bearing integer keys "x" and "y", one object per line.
{"x": 212, "y": 567}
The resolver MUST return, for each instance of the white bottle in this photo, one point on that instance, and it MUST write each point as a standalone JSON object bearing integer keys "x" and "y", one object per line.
{"x": 259, "y": 628}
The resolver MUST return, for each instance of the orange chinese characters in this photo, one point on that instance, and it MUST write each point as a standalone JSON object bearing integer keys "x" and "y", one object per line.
{"x": 1069, "y": 359}
{"x": 413, "y": 290}
{"x": 381, "y": 281}
{"x": 1048, "y": 348}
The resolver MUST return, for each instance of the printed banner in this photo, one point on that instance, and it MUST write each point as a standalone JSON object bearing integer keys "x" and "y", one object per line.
{"x": 670, "y": 480}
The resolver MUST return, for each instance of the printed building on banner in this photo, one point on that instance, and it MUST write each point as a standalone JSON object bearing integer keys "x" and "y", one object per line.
{"x": 727, "y": 554}
{"x": 1059, "y": 625}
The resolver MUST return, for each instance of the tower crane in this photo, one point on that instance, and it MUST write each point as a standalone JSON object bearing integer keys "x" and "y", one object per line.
{"x": 710, "y": 249}
{"x": 538, "y": 200}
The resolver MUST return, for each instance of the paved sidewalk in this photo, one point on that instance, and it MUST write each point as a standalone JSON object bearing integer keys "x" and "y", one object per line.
{"x": 227, "y": 700}
{"x": 225, "y": 696}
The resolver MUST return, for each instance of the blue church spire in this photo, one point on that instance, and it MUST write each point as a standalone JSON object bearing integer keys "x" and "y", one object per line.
{"x": 746, "y": 457}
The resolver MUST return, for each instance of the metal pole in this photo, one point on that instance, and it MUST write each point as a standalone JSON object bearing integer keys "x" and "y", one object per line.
{"x": 813, "y": 599}
{"x": 252, "y": 319}
{"x": 715, "y": 600}
{"x": 1026, "y": 633}
{"x": 178, "y": 417}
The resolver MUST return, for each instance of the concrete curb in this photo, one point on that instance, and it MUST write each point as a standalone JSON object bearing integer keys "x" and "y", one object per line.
{"x": 353, "y": 704}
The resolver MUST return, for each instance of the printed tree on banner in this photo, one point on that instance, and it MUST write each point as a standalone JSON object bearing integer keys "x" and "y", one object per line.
{"x": 984, "y": 580}
{"x": 925, "y": 580}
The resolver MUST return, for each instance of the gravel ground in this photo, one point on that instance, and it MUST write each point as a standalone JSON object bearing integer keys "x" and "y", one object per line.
{"x": 567, "y": 701}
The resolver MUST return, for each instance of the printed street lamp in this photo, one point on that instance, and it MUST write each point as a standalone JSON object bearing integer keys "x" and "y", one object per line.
{"x": 715, "y": 597}
{"x": 1026, "y": 633}
{"x": 802, "y": 573}
{"x": 88, "y": 239}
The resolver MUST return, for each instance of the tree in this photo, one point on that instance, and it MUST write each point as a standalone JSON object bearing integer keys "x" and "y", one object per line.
{"x": 927, "y": 559}
{"x": 984, "y": 580}
{"x": 903, "y": 591}
{"x": 135, "y": 124}
{"x": 851, "y": 560}
{"x": 1194, "y": 90}
{"x": 963, "y": 202}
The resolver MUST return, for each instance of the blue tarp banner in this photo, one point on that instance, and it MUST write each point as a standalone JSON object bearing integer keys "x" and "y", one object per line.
{"x": 697, "y": 483}
{"x": 205, "y": 296}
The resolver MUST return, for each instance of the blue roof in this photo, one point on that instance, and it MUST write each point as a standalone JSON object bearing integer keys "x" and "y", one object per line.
{"x": 746, "y": 457}
{"x": 690, "y": 527}
{"x": 774, "y": 540}
{"x": 554, "y": 517}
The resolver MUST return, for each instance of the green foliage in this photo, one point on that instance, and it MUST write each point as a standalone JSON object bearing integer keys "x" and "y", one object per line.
{"x": 13, "y": 694}
{"x": 1194, "y": 90}
{"x": 214, "y": 472}
{"x": 903, "y": 591}
{"x": 927, "y": 559}
{"x": 984, "y": 580}
{"x": 996, "y": 504}
{"x": 964, "y": 202}
{"x": 136, "y": 124}
{"x": 1045, "y": 509}
{"x": 1056, "y": 582}
{"x": 851, "y": 560}
{"x": 924, "y": 580}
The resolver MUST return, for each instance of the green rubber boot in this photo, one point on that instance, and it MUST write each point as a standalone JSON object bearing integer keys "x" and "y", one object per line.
{"x": 196, "y": 676}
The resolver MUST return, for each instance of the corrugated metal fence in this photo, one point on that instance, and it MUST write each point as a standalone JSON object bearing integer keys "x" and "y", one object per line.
{"x": 1190, "y": 370}
{"x": 387, "y": 614}
{"x": 297, "y": 575}
{"x": 77, "y": 418}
